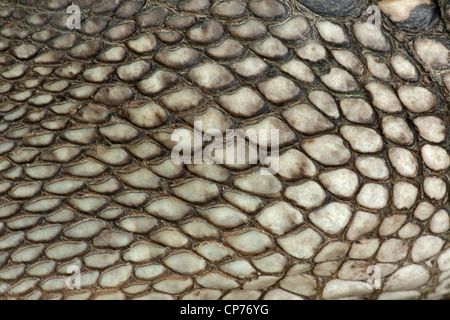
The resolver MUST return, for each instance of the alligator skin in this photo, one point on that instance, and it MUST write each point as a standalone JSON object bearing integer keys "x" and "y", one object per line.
{"x": 87, "y": 180}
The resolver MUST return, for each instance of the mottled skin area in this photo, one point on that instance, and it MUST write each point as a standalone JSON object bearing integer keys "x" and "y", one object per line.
{"x": 87, "y": 178}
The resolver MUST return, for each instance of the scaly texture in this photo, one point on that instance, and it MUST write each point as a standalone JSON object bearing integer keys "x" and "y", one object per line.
{"x": 85, "y": 140}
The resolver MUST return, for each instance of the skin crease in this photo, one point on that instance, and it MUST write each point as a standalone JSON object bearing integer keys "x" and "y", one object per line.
{"x": 103, "y": 197}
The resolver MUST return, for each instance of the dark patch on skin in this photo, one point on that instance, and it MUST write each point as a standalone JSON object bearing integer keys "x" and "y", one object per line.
{"x": 19, "y": 14}
{"x": 335, "y": 8}
{"x": 403, "y": 139}
{"x": 297, "y": 171}
{"x": 352, "y": 85}
{"x": 423, "y": 17}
